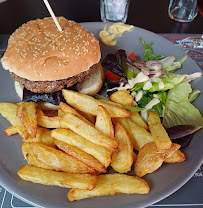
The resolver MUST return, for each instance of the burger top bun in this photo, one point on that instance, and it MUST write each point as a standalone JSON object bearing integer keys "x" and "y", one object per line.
{"x": 37, "y": 51}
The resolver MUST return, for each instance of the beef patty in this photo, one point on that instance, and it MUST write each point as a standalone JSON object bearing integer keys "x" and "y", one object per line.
{"x": 50, "y": 86}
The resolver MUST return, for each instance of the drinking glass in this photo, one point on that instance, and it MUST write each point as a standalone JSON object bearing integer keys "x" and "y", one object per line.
{"x": 183, "y": 10}
{"x": 114, "y": 10}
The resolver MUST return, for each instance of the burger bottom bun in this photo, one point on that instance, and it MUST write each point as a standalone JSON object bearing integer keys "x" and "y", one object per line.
{"x": 93, "y": 82}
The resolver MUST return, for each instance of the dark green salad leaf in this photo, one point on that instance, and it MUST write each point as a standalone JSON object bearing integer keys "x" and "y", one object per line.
{"x": 149, "y": 55}
{"x": 148, "y": 96}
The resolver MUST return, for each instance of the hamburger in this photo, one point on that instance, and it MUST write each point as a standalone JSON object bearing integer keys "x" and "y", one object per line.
{"x": 42, "y": 60}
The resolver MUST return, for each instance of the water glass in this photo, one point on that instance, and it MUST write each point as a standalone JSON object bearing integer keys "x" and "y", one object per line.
{"x": 183, "y": 10}
{"x": 114, "y": 10}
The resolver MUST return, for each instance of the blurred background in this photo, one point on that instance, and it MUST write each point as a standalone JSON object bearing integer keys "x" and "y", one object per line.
{"x": 150, "y": 15}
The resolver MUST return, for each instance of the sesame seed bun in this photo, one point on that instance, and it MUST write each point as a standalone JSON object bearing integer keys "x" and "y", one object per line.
{"x": 37, "y": 51}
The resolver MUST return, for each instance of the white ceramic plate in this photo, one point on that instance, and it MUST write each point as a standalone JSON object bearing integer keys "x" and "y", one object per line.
{"x": 165, "y": 181}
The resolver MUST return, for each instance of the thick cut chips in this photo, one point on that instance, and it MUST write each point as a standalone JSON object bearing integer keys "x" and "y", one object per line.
{"x": 103, "y": 122}
{"x": 54, "y": 178}
{"x": 27, "y": 113}
{"x": 88, "y": 132}
{"x": 122, "y": 97}
{"x": 70, "y": 137}
{"x": 177, "y": 157}
{"x": 122, "y": 161}
{"x": 150, "y": 158}
{"x": 80, "y": 155}
{"x": 59, "y": 160}
{"x": 31, "y": 159}
{"x": 90, "y": 105}
{"x": 9, "y": 111}
{"x": 111, "y": 184}
{"x": 138, "y": 134}
{"x": 158, "y": 132}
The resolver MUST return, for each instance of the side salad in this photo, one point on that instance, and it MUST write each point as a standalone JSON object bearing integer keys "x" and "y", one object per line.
{"x": 155, "y": 87}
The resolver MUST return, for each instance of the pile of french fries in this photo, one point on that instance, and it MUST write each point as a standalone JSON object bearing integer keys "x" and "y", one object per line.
{"x": 73, "y": 146}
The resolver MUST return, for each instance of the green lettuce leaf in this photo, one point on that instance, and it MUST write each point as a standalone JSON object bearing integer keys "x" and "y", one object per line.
{"x": 169, "y": 80}
{"x": 179, "y": 110}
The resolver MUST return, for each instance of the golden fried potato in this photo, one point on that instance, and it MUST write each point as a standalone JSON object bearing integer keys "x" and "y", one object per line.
{"x": 9, "y": 111}
{"x": 90, "y": 105}
{"x": 138, "y": 134}
{"x": 54, "y": 178}
{"x": 27, "y": 113}
{"x": 31, "y": 159}
{"x": 158, "y": 132}
{"x": 70, "y": 137}
{"x": 150, "y": 158}
{"x": 60, "y": 113}
{"x": 80, "y": 155}
{"x": 122, "y": 97}
{"x": 103, "y": 122}
{"x": 46, "y": 121}
{"x": 135, "y": 117}
{"x": 59, "y": 160}
{"x": 122, "y": 161}
{"x": 11, "y": 131}
{"x": 43, "y": 136}
{"x": 88, "y": 132}
{"x": 111, "y": 184}
{"x": 67, "y": 109}
{"x": 177, "y": 157}
{"x": 89, "y": 117}
{"x": 50, "y": 113}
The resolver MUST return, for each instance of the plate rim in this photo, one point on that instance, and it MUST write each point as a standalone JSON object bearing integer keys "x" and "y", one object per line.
{"x": 168, "y": 193}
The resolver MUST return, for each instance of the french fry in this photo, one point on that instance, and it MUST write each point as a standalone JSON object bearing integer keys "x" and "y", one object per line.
{"x": 70, "y": 137}
{"x": 90, "y": 105}
{"x": 11, "y": 131}
{"x": 111, "y": 184}
{"x": 88, "y": 116}
{"x": 88, "y": 132}
{"x": 134, "y": 157}
{"x": 43, "y": 136}
{"x": 67, "y": 109}
{"x": 31, "y": 159}
{"x": 122, "y": 161}
{"x": 103, "y": 122}
{"x": 60, "y": 113}
{"x": 158, "y": 132}
{"x": 47, "y": 122}
{"x": 27, "y": 113}
{"x": 50, "y": 113}
{"x": 138, "y": 134}
{"x": 108, "y": 102}
{"x": 150, "y": 158}
{"x": 177, "y": 157}
{"x": 54, "y": 178}
{"x": 135, "y": 117}
{"x": 9, "y": 110}
{"x": 154, "y": 118}
{"x": 122, "y": 97}
{"x": 80, "y": 155}
{"x": 59, "y": 160}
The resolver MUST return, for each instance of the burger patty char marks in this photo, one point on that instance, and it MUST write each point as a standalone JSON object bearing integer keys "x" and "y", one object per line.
{"x": 49, "y": 86}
